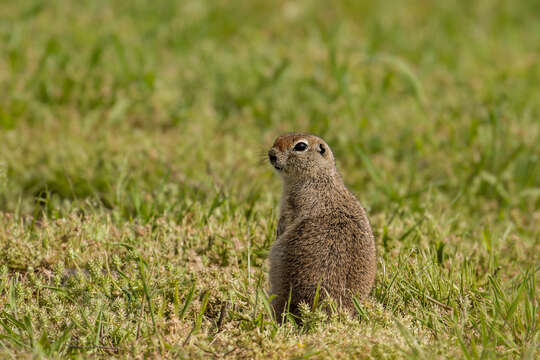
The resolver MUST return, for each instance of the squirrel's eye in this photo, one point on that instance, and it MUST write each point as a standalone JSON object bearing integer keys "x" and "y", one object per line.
{"x": 300, "y": 146}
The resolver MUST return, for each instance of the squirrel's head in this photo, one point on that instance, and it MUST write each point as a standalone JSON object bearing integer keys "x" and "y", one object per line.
{"x": 299, "y": 156}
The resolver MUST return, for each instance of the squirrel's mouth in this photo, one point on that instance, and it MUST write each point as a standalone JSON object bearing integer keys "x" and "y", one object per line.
{"x": 272, "y": 157}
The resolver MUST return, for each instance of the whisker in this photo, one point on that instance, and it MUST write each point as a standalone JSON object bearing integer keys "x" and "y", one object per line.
{"x": 262, "y": 157}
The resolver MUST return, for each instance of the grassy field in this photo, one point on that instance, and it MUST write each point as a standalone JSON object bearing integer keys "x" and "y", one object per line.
{"x": 137, "y": 210}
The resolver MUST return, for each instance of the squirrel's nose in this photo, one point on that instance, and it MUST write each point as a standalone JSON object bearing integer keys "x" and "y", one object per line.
{"x": 272, "y": 157}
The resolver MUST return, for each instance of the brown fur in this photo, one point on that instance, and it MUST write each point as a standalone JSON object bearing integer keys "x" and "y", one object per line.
{"x": 323, "y": 234}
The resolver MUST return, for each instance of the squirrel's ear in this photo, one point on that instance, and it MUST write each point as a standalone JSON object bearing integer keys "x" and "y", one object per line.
{"x": 322, "y": 149}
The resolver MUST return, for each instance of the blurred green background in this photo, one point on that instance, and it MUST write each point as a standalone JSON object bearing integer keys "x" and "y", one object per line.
{"x": 103, "y": 94}
{"x": 130, "y": 114}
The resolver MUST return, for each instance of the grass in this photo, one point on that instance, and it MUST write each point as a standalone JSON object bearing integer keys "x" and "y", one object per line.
{"x": 136, "y": 214}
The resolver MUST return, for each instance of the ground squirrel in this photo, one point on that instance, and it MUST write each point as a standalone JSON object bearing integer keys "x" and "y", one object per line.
{"x": 323, "y": 233}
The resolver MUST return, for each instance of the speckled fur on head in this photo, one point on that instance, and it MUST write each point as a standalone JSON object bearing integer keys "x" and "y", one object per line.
{"x": 323, "y": 234}
{"x": 315, "y": 161}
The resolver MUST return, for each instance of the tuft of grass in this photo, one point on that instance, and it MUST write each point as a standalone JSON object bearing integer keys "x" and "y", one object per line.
{"x": 136, "y": 215}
